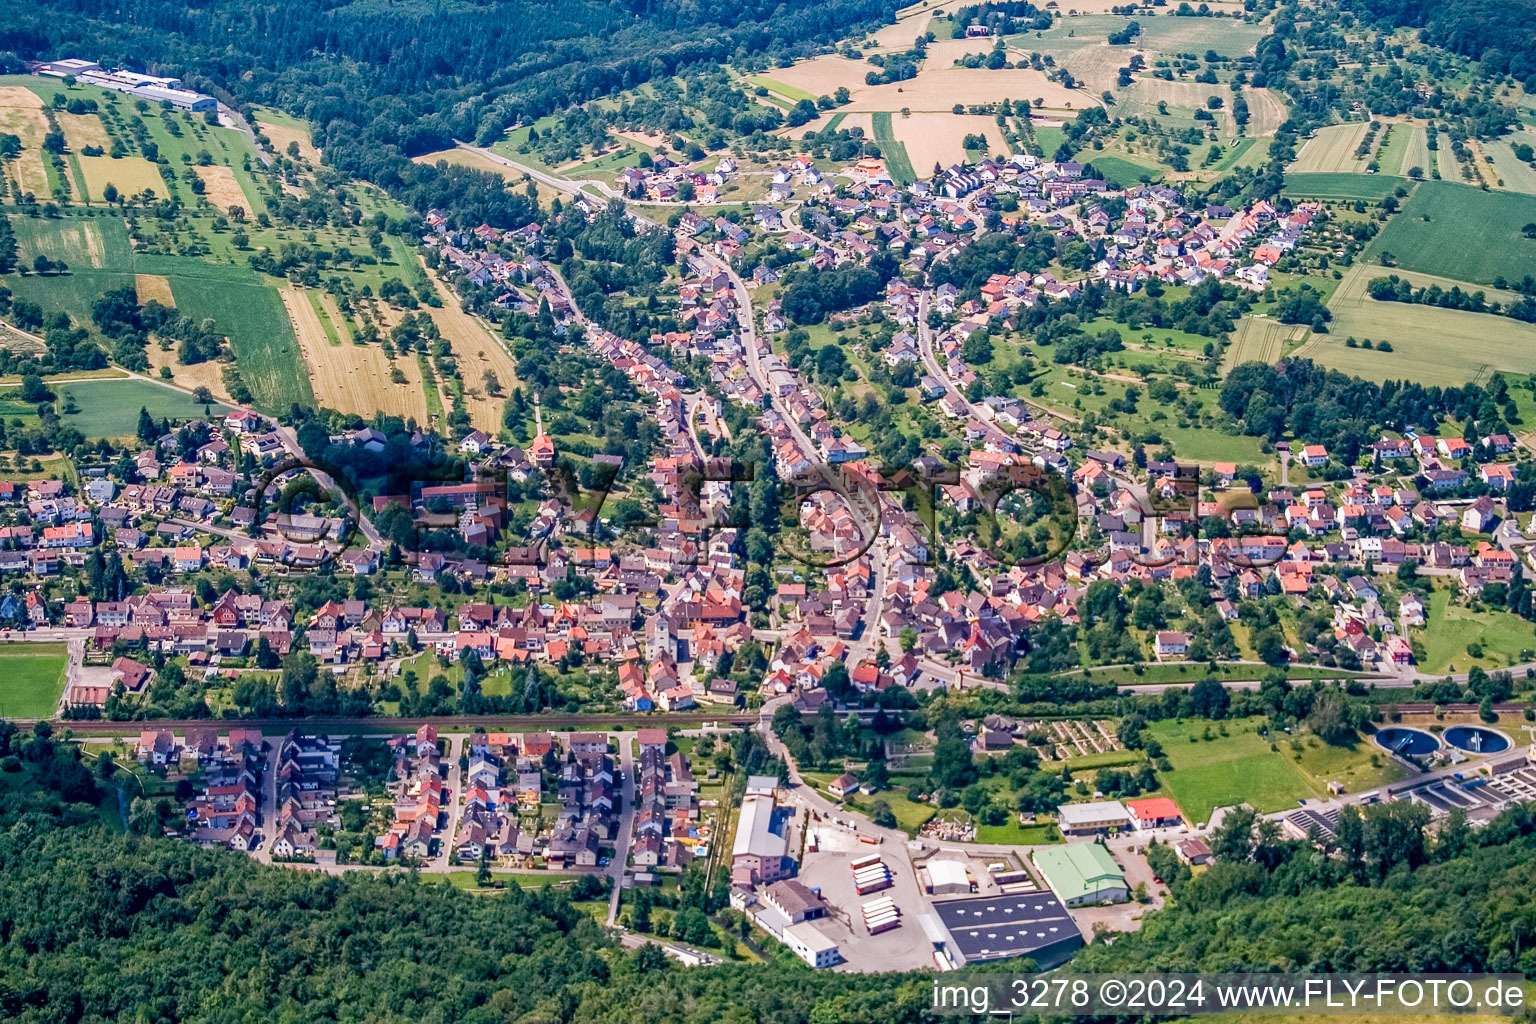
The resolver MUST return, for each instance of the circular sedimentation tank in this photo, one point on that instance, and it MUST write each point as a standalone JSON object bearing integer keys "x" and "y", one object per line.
{"x": 1403, "y": 740}
{"x": 1477, "y": 739}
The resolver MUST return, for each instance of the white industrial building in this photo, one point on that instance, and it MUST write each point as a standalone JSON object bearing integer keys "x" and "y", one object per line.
{"x": 948, "y": 878}
{"x": 152, "y": 88}
{"x": 812, "y": 945}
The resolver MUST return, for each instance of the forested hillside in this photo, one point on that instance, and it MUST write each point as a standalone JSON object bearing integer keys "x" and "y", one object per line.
{"x": 96, "y": 925}
{"x": 382, "y": 81}
{"x": 1396, "y": 901}
{"x": 1497, "y": 32}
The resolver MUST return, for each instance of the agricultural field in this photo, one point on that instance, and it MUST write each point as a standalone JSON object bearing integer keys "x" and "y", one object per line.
{"x": 110, "y": 408}
{"x": 21, "y": 115}
{"x": 1517, "y": 176}
{"x": 1081, "y": 44}
{"x": 938, "y": 138}
{"x": 1369, "y": 187}
{"x": 130, "y": 175}
{"x": 1146, "y": 93}
{"x": 1460, "y": 232}
{"x": 479, "y": 354}
{"x": 77, "y": 243}
{"x": 353, "y": 378}
{"x": 1266, "y": 112}
{"x": 221, "y": 188}
{"x": 32, "y": 678}
{"x": 943, "y": 53}
{"x": 1262, "y": 341}
{"x": 911, "y": 22}
{"x": 260, "y": 333}
{"x": 1396, "y": 146}
{"x": 941, "y": 88}
{"x": 934, "y": 89}
{"x": 153, "y": 288}
{"x": 81, "y": 130}
{"x": 1332, "y": 150}
{"x": 1429, "y": 345}
{"x": 281, "y": 129}
{"x": 891, "y": 148}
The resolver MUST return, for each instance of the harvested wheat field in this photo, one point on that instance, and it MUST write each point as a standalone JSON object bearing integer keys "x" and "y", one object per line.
{"x": 1266, "y": 112}
{"x": 911, "y": 22}
{"x": 1331, "y": 150}
{"x": 938, "y": 138}
{"x": 130, "y": 175}
{"x": 221, "y": 189}
{"x": 469, "y": 158}
{"x": 19, "y": 96}
{"x": 81, "y": 130}
{"x": 477, "y": 352}
{"x": 941, "y": 88}
{"x": 845, "y": 122}
{"x": 337, "y": 318}
{"x": 280, "y": 135}
{"x": 652, "y": 139}
{"x": 353, "y": 378}
{"x": 154, "y": 288}
{"x": 1072, "y": 7}
{"x": 209, "y": 374}
{"x": 942, "y": 53}
{"x": 21, "y": 115}
{"x": 821, "y": 76}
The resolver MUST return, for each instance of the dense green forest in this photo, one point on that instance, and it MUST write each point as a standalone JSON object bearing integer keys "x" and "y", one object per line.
{"x": 1496, "y": 32}
{"x": 382, "y": 82}
{"x": 1396, "y": 901}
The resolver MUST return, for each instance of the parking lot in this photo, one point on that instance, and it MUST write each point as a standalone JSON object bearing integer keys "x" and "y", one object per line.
{"x": 902, "y": 948}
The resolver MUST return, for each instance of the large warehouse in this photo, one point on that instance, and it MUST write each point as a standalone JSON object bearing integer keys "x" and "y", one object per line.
{"x": 1080, "y": 873}
{"x": 1033, "y": 925}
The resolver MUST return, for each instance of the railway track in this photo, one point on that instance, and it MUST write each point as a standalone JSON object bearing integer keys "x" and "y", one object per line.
{"x": 444, "y": 723}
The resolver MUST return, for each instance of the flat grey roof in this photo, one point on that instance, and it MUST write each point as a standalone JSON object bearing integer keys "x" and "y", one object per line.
{"x": 1000, "y": 927}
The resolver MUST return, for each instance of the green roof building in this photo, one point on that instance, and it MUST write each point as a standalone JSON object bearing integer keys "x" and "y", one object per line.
{"x": 1080, "y": 873}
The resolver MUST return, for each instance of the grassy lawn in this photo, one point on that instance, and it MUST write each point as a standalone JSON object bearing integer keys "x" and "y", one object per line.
{"x": 1449, "y": 628}
{"x": 1240, "y": 767}
{"x": 110, "y": 408}
{"x": 33, "y": 677}
{"x": 1014, "y": 834}
{"x": 1227, "y": 770}
{"x": 526, "y": 879}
